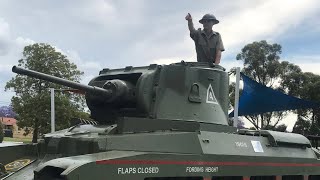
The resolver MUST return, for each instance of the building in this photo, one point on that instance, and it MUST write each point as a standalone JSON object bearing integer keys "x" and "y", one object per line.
{"x": 11, "y": 123}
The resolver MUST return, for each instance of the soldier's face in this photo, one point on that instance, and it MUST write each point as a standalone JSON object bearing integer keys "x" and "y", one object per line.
{"x": 207, "y": 24}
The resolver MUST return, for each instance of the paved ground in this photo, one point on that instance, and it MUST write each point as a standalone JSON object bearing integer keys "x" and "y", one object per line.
{"x": 5, "y": 144}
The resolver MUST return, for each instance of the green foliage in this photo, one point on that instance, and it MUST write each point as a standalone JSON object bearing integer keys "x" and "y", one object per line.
{"x": 32, "y": 100}
{"x": 302, "y": 126}
{"x": 306, "y": 86}
{"x": 261, "y": 61}
{"x": 232, "y": 93}
{"x": 291, "y": 78}
{"x": 232, "y": 89}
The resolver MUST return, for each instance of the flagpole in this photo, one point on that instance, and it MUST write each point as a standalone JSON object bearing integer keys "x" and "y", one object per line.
{"x": 236, "y": 98}
{"x": 52, "y": 111}
{"x": 52, "y": 90}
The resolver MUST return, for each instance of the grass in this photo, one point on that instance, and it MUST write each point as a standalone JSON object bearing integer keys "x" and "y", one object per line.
{"x": 24, "y": 140}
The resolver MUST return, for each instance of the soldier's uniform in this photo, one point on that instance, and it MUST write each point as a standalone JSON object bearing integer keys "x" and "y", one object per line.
{"x": 206, "y": 46}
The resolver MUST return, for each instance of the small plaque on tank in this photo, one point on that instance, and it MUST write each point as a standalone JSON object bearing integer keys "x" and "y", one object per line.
{"x": 211, "y": 98}
{"x": 257, "y": 146}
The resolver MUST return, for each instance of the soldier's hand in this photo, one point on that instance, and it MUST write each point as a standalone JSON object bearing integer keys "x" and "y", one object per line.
{"x": 188, "y": 17}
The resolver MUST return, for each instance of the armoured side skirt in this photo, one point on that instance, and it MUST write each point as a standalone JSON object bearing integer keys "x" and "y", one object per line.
{"x": 147, "y": 165}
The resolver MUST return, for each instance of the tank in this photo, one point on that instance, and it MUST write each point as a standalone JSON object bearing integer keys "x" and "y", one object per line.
{"x": 159, "y": 122}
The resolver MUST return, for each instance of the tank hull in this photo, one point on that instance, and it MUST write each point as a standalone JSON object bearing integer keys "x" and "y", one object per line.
{"x": 166, "y": 155}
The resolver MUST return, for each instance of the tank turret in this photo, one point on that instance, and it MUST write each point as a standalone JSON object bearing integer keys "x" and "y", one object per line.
{"x": 181, "y": 91}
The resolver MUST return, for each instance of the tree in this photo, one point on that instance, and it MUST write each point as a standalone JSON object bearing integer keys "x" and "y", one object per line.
{"x": 32, "y": 100}
{"x": 261, "y": 63}
{"x": 232, "y": 94}
{"x": 306, "y": 86}
{"x": 301, "y": 126}
{"x": 291, "y": 79}
{"x": 310, "y": 91}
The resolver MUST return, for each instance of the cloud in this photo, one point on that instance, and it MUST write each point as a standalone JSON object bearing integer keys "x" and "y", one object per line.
{"x": 90, "y": 68}
{"x": 86, "y": 64}
{"x": 166, "y": 61}
{"x": 98, "y": 12}
{"x": 74, "y": 57}
{"x": 310, "y": 67}
{"x": 241, "y": 22}
{"x": 307, "y": 63}
{"x": 22, "y": 42}
{"x": 266, "y": 20}
{"x": 107, "y": 14}
{"x": 5, "y": 42}
{"x": 10, "y": 51}
{"x": 10, "y": 48}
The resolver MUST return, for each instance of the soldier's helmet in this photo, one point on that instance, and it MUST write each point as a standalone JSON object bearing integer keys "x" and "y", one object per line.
{"x": 207, "y": 17}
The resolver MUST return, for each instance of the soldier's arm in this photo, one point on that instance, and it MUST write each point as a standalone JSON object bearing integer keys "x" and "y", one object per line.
{"x": 190, "y": 26}
{"x": 219, "y": 49}
{"x": 218, "y": 56}
{"x": 190, "y": 23}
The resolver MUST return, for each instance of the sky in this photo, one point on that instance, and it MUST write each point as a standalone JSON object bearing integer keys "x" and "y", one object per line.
{"x": 99, "y": 34}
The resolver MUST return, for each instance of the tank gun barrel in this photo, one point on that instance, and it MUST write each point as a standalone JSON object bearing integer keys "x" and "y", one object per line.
{"x": 61, "y": 81}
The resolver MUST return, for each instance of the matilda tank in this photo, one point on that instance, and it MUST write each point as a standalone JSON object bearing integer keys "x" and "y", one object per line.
{"x": 159, "y": 122}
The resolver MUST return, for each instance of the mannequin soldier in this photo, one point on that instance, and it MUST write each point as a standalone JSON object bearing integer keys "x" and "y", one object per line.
{"x": 208, "y": 42}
